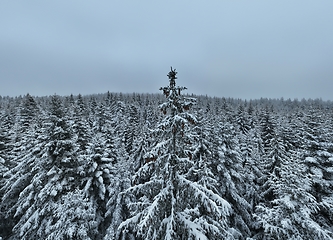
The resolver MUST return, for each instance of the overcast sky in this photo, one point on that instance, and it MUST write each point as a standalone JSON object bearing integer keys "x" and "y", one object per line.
{"x": 241, "y": 49}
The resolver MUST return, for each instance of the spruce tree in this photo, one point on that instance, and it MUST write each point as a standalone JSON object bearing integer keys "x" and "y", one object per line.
{"x": 81, "y": 126}
{"x": 290, "y": 212}
{"x": 267, "y": 128}
{"x": 97, "y": 172}
{"x": 74, "y": 218}
{"x": 34, "y": 192}
{"x": 229, "y": 171}
{"x": 318, "y": 157}
{"x": 170, "y": 205}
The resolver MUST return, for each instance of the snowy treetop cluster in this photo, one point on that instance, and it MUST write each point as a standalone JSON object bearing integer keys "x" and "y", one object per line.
{"x": 165, "y": 166}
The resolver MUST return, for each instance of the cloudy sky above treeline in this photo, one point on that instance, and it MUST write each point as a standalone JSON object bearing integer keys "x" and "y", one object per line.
{"x": 240, "y": 49}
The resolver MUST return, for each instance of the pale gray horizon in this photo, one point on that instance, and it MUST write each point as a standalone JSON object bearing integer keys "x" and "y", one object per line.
{"x": 238, "y": 49}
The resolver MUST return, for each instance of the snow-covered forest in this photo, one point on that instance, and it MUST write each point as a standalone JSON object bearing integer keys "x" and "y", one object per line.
{"x": 165, "y": 166}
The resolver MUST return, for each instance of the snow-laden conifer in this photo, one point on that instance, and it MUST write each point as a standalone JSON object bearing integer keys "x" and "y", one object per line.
{"x": 131, "y": 131}
{"x": 120, "y": 174}
{"x": 80, "y": 124}
{"x": 291, "y": 211}
{"x": 318, "y": 157}
{"x": 97, "y": 171}
{"x": 45, "y": 174}
{"x": 4, "y": 150}
{"x": 28, "y": 141}
{"x": 228, "y": 169}
{"x": 170, "y": 205}
{"x": 74, "y": 218}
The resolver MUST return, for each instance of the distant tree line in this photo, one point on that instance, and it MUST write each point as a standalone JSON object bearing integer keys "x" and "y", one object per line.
{"x": 165, "y": 166}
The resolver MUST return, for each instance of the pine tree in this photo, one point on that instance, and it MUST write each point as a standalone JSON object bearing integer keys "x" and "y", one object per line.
{"x": 131, "y": 129}
{"x": 318, "y": 157}
{"x": 244, "y": 134}
{"x": 121, "y": 172}
{"x": 28, "y": 139}
{"x": 3, "y": 171}
{"x": 117, "y": 205}
{"x": 97, "y": 175}
{"x": 267, "y": 128}
{"x": 46, "y": 173}
{"x": 290, "y": 211}
{"x": 242, "y": 120}
{"x": 286, "y": 209}
{"x": 74, "y": 218}
{"x": 81, "y": 125}
{"x": 204, "y": 163}
{"x": 25, "y": 126}
{"x": 229, "y": 171}
{"x": 4, "y": 148}
{"x": 28, "y": 111}
{"x": 171, "y": 206}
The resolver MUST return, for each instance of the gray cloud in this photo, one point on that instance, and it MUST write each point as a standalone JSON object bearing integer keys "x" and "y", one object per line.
{"x": 233, "y": 49}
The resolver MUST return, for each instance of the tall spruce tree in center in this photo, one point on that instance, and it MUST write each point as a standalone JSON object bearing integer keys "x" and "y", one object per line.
{"x": 171, "y": 205}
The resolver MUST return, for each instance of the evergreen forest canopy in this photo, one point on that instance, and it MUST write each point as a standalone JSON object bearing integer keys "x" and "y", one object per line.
{"x": 165, "y": 166}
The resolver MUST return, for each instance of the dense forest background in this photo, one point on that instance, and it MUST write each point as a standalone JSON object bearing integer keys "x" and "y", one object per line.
{"x": 163, "y": 166}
